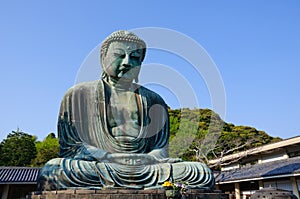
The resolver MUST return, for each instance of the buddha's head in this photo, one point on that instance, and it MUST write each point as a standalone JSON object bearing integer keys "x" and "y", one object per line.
{"x": 121, "y": 55}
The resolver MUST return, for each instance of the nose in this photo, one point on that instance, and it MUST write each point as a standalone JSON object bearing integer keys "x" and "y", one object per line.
{"x": 126, "y": 61}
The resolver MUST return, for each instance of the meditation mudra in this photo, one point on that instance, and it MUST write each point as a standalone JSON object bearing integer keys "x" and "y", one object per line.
{"x": 114, "y": 133}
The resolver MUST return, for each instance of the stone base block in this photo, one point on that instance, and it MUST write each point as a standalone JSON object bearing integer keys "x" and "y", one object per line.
{"x": 122, "y": 194}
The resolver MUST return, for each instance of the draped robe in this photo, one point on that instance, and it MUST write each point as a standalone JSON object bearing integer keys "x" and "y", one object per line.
{"x": 85, "y": 141}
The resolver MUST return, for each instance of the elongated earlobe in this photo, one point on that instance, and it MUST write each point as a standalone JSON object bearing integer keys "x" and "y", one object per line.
{"x": 136, "y": 79}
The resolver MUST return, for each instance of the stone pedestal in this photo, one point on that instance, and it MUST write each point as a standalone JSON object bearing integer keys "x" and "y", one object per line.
{"x": 121, "y": 194}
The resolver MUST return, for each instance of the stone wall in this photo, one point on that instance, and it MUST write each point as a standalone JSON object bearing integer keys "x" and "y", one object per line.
{"x": 121, "y": 194}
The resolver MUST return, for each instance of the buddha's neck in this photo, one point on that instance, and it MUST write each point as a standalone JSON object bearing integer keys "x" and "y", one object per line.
{"x": 118, "y": 84}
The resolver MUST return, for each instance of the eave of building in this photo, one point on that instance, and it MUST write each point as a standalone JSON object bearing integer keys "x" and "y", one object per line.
{"x": 268, "y": 147}
{"x": 276, "y": 169}
{"x": 35, "y": 182}
{"x": 260, "y": 178}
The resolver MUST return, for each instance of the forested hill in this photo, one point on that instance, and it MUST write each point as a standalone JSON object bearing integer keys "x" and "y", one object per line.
{"x": 196, "y": 135}
{"x": 200, "y": 134}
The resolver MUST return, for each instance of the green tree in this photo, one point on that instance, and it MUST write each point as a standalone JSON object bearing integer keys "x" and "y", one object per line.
{"x": 46, "y": 150}
{"x": 180, "y": 143}
{"x": 213, "y": 138}
{"x": 18, "y": 149}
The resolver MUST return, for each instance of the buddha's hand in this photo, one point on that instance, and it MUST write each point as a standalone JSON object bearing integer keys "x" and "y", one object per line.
{"x": 170, "y": 160}
{"x": 131, "y": 159}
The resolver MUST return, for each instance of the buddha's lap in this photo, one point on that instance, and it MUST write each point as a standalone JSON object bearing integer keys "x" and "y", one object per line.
{"x": 176, "y": 170}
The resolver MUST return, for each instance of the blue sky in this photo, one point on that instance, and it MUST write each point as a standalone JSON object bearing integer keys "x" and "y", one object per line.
{"x": 254, "y": 44}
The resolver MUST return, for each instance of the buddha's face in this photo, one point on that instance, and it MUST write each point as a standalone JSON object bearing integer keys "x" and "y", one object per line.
{"x": 123, "y": 60}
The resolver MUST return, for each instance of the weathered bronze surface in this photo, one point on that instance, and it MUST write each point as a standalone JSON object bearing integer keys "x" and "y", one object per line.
{"x": 114, "y": 133}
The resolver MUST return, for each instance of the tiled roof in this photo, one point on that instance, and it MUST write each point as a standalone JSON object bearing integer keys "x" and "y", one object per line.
{"x": 290, "y": 166}
{"x": 20, "y": 175}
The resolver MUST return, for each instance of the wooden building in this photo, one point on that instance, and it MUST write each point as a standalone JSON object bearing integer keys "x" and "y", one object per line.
{"x": 275, "y": 165}
{"x": 17, "y": 182}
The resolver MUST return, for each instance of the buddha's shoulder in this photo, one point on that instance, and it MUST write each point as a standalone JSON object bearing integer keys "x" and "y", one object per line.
{"x": 82, "y": 87}
{"x": 151, "y": 95}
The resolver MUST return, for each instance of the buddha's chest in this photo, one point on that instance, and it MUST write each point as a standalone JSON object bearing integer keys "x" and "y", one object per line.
{"x": 123, "y": 117}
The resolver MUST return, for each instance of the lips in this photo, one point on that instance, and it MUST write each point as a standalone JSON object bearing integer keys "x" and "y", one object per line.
{"x": 125, "y": 71}
{"x": 122, "y": 73}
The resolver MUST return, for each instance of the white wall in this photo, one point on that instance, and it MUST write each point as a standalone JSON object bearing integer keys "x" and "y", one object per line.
{"x": 273, "y": 157}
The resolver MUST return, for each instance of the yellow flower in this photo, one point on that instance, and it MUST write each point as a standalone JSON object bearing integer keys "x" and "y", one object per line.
{"x": 167, "y": 184}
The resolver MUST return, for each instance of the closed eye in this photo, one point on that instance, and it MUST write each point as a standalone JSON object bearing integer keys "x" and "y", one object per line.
{"x": 135, "y": 57}
{"x": 119, "y": 55}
